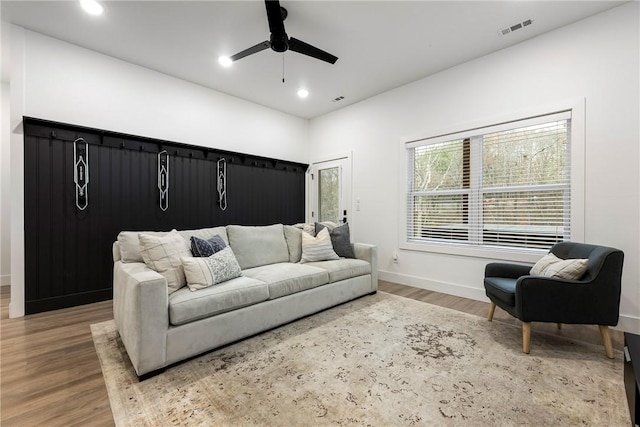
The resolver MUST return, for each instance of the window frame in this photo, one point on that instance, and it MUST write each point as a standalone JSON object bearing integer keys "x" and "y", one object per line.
{"x": 576, "y": 110}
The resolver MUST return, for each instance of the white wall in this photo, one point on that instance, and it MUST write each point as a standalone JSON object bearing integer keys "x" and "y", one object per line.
{"x": 70, "y": 84}
{"x": 14, "y": 147}
{"x": 5, "y": 189}
{"x": 54, "y": 80}
{"x": 596, "y": 59}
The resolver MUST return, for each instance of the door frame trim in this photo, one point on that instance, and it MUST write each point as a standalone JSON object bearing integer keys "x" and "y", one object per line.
{"x": 346, "y": 155}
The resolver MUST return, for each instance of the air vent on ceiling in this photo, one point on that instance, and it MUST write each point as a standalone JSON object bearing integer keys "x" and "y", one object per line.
{"x": 515, "y": 27}
{"x": 340, "y": 98}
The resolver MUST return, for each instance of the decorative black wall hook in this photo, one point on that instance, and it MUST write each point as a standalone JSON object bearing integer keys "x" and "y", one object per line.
{"x": 81, "y": 172}
{"x": 222, "y": 183}
{"x": 163, "y": 179}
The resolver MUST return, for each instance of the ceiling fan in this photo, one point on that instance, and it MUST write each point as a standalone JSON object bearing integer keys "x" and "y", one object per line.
{"x": 280, "y": 41}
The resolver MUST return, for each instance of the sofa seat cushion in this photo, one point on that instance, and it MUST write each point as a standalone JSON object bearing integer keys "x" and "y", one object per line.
{"x": 186, "y": 306}
{"x": 344, "y": 268}
{"x": 287, "y": 278}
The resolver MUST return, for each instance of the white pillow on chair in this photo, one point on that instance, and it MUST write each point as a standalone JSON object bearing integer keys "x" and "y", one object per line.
{"x": 552, "y": 266}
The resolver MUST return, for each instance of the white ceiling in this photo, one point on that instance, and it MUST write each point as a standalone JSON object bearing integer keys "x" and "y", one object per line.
{"x": 380, "y": 44}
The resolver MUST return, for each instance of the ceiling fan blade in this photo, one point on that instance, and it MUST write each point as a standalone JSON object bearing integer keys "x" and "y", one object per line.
{"x": 306, "y": 49}
{"x": 253, "y": 49}
{"x": 274, "y": 15}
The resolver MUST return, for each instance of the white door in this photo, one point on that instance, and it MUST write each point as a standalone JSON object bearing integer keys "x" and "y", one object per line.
{"x": 330, "y": 190}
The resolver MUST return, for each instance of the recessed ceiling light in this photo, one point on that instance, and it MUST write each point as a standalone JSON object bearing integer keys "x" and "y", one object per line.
{"x": 92, "y": 7}
{"x": 303, "y": 93}
{"x": 225, "y": 61}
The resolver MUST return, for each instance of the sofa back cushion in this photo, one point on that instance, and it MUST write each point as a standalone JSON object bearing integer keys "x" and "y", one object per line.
{"x": 205, "y": 233}
{"x": 293, "y": 236}
{"x": 256, "y": 246}
{"x": 129, "y": 244}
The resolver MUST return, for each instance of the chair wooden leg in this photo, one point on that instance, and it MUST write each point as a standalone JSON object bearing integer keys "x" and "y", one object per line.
{"x": 606, "y": 340}
{"x": 526, "y": 337}
{"x": 559, "y": 325}
{"x": 492, "y": 309}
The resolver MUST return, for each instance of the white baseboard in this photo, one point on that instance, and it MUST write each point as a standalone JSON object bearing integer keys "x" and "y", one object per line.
{"x": 431, "y": 285}
{"x": 626, "y": 322}
{"x": 5, "y": 280}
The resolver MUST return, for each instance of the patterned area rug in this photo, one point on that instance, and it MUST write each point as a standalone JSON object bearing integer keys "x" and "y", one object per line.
{"x": 378, "y": 360}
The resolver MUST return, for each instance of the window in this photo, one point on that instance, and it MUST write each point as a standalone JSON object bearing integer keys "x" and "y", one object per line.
{"x": 329, "y": 191}
{"x": 505, "y": 186}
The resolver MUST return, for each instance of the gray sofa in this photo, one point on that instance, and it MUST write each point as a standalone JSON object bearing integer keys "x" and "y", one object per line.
{"x": 159, "y": 329}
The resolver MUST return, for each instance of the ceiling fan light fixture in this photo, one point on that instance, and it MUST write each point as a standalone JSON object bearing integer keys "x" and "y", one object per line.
{"x": 303, "y": 93}
{"x": 92, "y": 7}
{"x": 225, "y": 61}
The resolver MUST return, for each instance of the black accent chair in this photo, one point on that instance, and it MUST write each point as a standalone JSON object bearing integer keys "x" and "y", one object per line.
{"x": 592, "y": 300}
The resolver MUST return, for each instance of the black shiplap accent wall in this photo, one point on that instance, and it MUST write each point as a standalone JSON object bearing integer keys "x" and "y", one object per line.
{"x": 68, "y": 257}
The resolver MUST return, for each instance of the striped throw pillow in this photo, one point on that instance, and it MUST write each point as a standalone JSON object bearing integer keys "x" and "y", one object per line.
{"x": 552, "y": 266}
{"x": 317, "y": 248}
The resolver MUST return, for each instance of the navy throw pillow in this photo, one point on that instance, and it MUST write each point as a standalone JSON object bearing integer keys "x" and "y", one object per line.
{"x": 206, "y": 248}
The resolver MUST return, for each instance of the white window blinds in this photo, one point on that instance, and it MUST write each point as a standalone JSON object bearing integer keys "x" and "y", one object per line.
{"x": 506, "y": 185}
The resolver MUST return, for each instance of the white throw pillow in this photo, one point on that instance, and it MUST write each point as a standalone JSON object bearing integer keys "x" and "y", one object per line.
{"x": 543, "y": 263}
{"x": 317, "y": 248}
{"x": 163, "y": 254}
{"x": 203, "y": 272}
{"x": 129, "y": 244}
{"x": 552, "y": 266}
{"x": 308, "y": 227}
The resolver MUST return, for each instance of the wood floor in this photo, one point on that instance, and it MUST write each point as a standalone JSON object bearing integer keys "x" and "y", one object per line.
{"x": 50, "y": 374}
{"x": 49, "y": 370}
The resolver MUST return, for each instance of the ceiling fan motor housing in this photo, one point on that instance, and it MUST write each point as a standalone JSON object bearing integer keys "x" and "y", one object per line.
{"x": 279, "y": 42}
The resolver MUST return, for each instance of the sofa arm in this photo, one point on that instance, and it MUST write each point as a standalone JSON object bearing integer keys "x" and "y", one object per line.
{"x": 141, "y": 313}
{"x": 368, "y": 253}
{"x": 508, "y": 270}
{"x": 115, "y": 251}
{"x": 549, "y": 299}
